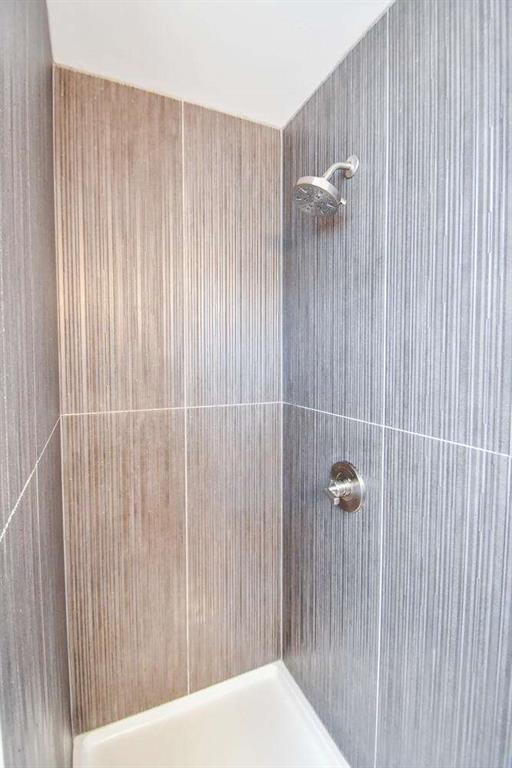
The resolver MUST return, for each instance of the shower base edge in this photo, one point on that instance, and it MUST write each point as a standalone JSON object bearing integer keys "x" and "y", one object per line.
{"x": 260, "y": 719}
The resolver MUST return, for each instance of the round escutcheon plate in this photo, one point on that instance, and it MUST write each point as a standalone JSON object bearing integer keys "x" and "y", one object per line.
{"x": 343, "y": 472}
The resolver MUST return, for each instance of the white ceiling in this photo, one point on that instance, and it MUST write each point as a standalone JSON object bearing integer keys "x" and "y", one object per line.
{"x": 259, "y": 59}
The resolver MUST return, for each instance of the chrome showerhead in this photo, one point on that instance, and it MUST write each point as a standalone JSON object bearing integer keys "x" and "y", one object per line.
{"x": 316, "y": 196}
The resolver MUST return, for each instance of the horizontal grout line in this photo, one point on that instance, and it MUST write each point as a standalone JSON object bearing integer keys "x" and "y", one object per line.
{"x": 399, "y": 429}
{"x": 233, "y": 405}
{"x": 29, "y": 478}
{"x": 449, "y": 442}
{"x": 296, "y": 405}
{"x": 171, "y": 408}
{"x": 128, "y": 410}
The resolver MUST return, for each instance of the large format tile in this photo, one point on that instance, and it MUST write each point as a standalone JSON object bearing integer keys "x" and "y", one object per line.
{"x": 34, "y": 683}
{"x": 232, "y": 245}
{"x": 331, "y": 569}
{"x": 24, "y": 675}
{"x": 57, "y": 729}
{"x": 445, "y": 670}
{"x": 119, "y": 237}
{"x": 124, "y": 496}
{"x": 34, "y": 689}
{"x": 234, "y": 543}
{"x": 42, "y": 226}
{"x": 17, "y": 422}
{"x": 334, "y": 269}
{"x": 449, "y": 320}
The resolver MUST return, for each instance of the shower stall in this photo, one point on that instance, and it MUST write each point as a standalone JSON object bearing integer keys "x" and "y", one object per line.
{"x": 257, "y": 414}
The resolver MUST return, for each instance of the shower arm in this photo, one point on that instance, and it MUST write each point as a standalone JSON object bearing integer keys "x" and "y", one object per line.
{"x": 349, "y": 167}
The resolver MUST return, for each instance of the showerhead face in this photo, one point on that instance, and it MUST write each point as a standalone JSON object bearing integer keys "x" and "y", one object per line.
{"x": 316, "y": 196}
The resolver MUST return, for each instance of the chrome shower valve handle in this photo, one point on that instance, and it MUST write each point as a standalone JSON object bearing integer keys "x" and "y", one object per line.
{"x": 338, "y": 490}
{"x": 346, "y": 488}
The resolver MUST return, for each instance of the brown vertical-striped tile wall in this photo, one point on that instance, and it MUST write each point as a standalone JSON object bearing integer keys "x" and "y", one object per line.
{"x": 234, "y": 536}
{"x": 125, "y": 523}
{"x": 232, "y": 235}
{"x": 120, "y": 247}
{"x": 169, "y": 283}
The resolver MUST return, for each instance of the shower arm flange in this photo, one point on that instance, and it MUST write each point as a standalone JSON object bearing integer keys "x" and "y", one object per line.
{"x": 349, "y": 167}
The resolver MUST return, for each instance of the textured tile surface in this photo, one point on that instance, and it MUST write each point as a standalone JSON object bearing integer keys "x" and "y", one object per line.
{"x": 449, "y": 324}
{"x": 57, "y": 725}
{"x": 34, "y": 691}
{"x": 22, "y": 661}
{"x": 17, "y": 421}
{"x": 119, "y": 236}
{"x": 34, "y": 686}
{"x": 42, "y": 231}
{"x": 28, "y": 312}
{"x": 334, "y": 269}
{"x": 232, "y": 246}
{"x": 125, "y": 536}
{"x": 446, "y": 610}
{"x": 441, "y": 215}
{"x": 331, "y": 570}
{"x": 234, "y": 540}
{"x": 119, "y": 178}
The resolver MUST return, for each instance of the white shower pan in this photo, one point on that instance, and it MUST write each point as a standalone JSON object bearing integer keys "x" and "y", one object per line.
{"x": 258, "y": 720}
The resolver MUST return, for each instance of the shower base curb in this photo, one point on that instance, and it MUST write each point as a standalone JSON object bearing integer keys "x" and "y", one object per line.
{"x": 264, "y": 709}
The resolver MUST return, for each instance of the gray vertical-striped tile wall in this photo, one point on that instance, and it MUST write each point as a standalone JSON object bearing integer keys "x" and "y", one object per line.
{"x": 446, "y": 629}
{"x": 169, "y": 296}
{"x": 397, "y": 336}
{"x": 331, "y": 575}
{"x": 448, "y": 365}
{"x": 35, "y": 722}
{"x": 334, "y": 288}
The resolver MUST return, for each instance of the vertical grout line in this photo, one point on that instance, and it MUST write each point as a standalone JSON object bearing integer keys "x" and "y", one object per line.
{"x": 185, "y": 382}
{"x": 40, "y": 596}
{"x": 475, "y": 279}
{"x": 281, "y": 504}
{"x": 507, "y": 539}
{"x": 383, "y": 403}
{"x": 381, "y": 569}
{"x": 56, "y": 218}
{"x": 2, "y": 762}
{"x": 186, "y": 551}
{"x": 3, "y": 375}
{"x": 281, "y": 384}
{"x": 66, "y": 579}
{"x": 31, "y": 276}
{"x": 60, "y": 363}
